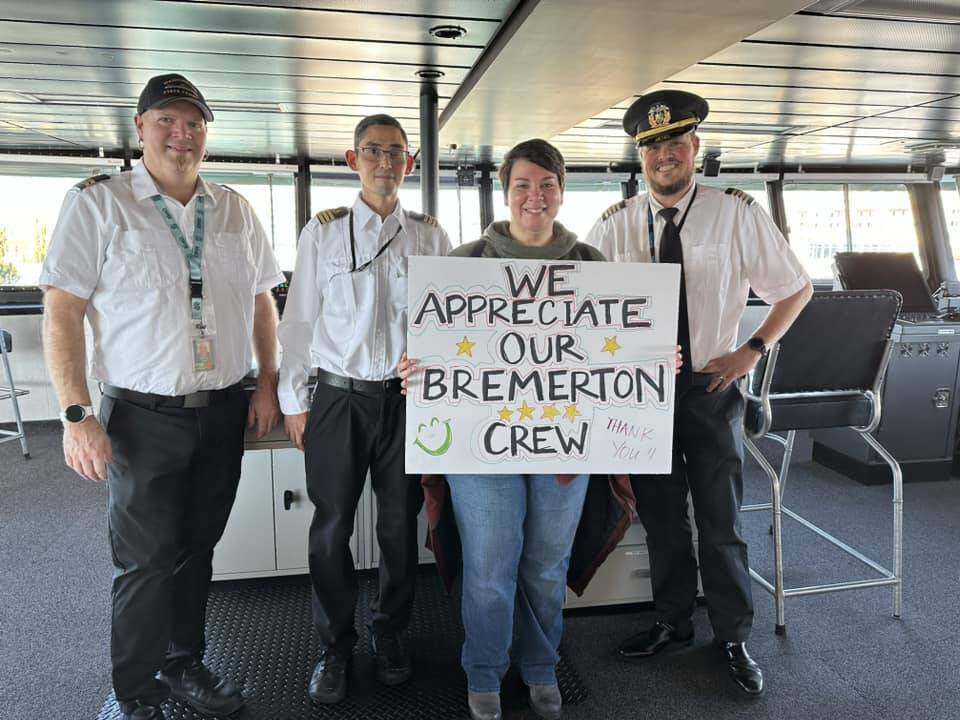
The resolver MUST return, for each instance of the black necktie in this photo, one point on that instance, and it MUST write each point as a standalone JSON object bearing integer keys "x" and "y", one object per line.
{"x": 672, "y": 252}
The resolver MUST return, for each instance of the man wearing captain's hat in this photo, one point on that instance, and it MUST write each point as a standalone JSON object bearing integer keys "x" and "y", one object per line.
{"x": 726, "y": 244}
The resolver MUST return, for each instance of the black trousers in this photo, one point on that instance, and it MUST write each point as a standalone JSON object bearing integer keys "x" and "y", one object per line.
{"x": 349, "y": 432}
{"x": 171, "y": 485}
{"x": 707, "y": 461}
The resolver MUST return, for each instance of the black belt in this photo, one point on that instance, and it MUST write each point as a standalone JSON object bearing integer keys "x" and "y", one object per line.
{"x": 695, "y": 380}
{"x": 199, "y": 399}
{"x": 368, "y": 387}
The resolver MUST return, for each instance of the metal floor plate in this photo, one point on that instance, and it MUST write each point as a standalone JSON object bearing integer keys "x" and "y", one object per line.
{"x": 260, "y": 635}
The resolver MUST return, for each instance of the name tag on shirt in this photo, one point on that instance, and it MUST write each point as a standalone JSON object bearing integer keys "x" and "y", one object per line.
{"x": 203, "y": 355}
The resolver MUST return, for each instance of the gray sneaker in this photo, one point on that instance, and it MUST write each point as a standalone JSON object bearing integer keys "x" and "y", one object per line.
{"x": 484, "y": 705}
{"x": 546, "y": 701}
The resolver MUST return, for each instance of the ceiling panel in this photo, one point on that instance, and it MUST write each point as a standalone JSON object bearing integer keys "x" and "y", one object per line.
{"x": 294, "y": 76}
{"x": 105, "y": 39}
{"x": 814, "y": 29}
{"x": 867, "y": 60}
{"x": 892, "y": 84}
{"x": 255, "y": 22}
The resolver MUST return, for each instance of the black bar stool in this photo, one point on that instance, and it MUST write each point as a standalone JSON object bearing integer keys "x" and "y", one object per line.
{"x": 826, "y": 372}
{"x": 9, "y": 391}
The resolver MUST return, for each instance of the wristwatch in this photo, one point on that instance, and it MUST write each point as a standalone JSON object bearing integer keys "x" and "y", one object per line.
{"x": 76, "y": 413}
{"x": 757, "y": 343}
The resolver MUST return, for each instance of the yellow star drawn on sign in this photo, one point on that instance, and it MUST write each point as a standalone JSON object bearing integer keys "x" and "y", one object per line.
{"x": 549, "y": 413}
{"x": 571, "y": 412}
{"x": 611, "y": 345}
{"x": 506, "y": 413}
{"x": 526, "y": 412}
{"x": 465, "y": 347}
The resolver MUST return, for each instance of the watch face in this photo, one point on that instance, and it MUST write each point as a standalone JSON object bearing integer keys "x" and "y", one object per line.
{"x": 75, "y": 413}
{"x": 757, "y": 344}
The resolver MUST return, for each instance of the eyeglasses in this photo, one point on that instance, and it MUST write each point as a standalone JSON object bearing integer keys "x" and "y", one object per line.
{"x": 371, "y": 152}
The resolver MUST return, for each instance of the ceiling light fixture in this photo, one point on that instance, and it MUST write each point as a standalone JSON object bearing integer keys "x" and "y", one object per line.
{"x": 448, "y": 32}
{"x": 429, "y": 74}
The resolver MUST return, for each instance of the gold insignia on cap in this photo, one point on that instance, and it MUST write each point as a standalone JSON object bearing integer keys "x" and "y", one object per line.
{"x": 658, "y": 115}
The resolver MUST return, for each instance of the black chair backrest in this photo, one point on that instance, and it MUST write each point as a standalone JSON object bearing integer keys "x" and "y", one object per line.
{"x": 836, "y": 343}
{"x": 889, "y": 270}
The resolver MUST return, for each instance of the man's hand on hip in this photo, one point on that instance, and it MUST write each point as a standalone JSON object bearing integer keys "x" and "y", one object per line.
{"x": 87, "y": 449}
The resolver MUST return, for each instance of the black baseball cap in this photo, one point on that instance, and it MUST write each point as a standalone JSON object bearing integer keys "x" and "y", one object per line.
{"x": 162, "y": 90}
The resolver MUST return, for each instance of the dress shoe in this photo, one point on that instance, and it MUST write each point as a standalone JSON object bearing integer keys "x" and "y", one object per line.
{"x": 743, "y": 668}
{"x": 484, "y": 705}
{"x": 656, "y": 638}
{"x": 142, "y": 711}
{"x": 203, "y": 690}
{"x": 546, "y": 701}
{"x": 393, "y": 658}
{"x": 328, "y": 684}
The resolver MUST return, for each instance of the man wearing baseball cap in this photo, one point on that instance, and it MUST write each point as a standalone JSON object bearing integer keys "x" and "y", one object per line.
{"x": 172, "y": 275}
{"x": 725, "y": 244}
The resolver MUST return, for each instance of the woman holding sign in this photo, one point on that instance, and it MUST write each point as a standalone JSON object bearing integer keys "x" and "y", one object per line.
{"x": 517, "y": 531}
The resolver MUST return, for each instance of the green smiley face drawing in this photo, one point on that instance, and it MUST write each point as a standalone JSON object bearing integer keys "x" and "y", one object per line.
{"x": 436, "y": 438}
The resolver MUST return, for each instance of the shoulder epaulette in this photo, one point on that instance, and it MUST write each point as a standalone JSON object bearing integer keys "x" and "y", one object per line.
{"x": 613, "y": 209}
{"x": 325, "y": 216}
{"x": 738, "y": 193}
{"x": 423, "y": 217}
{"x": 228, "y": 188}
{"x": 90, "y": 181}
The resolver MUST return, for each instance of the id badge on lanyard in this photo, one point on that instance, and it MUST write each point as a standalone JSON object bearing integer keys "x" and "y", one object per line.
{"x": 202, "y": 335}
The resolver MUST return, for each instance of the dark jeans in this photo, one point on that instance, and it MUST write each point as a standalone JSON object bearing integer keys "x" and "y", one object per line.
{"x": 707, "y": 461}
{"x": 348, "y": 433}
{"x": 171, "y": 485}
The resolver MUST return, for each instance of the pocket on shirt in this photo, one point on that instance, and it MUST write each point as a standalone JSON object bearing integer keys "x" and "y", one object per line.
{"x": 142, "y": 259}
{"x": 348, "y": 295}
{"x": 399, "y": 283}
{"x": 230, "y": 254}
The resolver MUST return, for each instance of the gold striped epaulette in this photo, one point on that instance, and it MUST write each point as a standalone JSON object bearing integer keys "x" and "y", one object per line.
{"x": 90, "y": 181}
{"x": 325, "y": 216}
{"x": 423, "y": 217}
{"x": 613, "y": 209}
{"x": 738, "y": 193}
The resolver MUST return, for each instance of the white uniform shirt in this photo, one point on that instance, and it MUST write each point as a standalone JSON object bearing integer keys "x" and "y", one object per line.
{"x": 729, "y": 246}
{"x": 112, "y": 246}
{"x": 350, "y": 323}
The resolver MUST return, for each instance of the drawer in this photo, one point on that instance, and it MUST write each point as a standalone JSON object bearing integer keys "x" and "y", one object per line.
{"x": 623, "y": 578}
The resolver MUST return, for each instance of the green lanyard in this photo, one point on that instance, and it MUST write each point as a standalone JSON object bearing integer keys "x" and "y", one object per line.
{"x": 194, "y": 254}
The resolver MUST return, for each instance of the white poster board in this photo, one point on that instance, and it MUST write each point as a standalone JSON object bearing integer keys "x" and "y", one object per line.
{"x": 528, "y": 366}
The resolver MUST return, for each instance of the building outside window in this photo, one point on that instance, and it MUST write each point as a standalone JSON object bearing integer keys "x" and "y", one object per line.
{"x": 32, "y": 195}
{"x": 950, "y": 195}
{"x": 273, "y": 197}
{"x": 826, "y": 218}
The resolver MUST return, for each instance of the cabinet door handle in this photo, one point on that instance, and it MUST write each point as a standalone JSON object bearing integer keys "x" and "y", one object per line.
{"x": 289, "y": 497}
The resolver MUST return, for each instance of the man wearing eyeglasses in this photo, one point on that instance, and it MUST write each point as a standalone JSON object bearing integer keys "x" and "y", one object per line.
{"x": 346, "y": 320}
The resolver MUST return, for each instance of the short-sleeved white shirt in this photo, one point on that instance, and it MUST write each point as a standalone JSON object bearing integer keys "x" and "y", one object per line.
{"x": 352, "y": 324}
{"x": 729, "y": 245}
{"x": 112, "y": 246}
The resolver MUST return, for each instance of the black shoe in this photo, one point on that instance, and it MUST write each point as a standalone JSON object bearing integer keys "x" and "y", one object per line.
{"x": 328, "y": 684}
{"x": 394, "y": 665}
{"x": 141, "y": 711}
{"x": 203, "y": 690}
{"x": 743, "y": 668}
{"x": 649, "y": 643}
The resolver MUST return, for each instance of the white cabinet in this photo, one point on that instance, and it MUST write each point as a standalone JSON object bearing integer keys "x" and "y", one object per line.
{"x": 625, "y": 575}
{"x": 247, "y": 543}
{"x": 268, "y": 528}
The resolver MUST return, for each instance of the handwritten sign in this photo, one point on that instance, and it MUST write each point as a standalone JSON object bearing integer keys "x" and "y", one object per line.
{"x": 540, "y": 366}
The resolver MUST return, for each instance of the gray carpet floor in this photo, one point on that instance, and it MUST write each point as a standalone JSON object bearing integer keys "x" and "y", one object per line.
{"x": 844, "y": 655}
